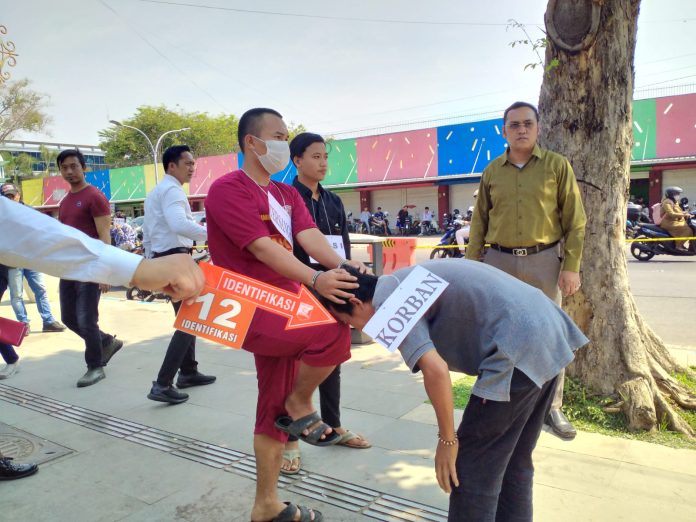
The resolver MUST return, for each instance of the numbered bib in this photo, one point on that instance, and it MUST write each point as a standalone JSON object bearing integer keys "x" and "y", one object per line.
{"x": 280, "y": 218}
{"x": 336, "y": 243}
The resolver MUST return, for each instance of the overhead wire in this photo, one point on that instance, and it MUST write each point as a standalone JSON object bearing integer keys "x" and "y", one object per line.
{"x": 327, "y": 17}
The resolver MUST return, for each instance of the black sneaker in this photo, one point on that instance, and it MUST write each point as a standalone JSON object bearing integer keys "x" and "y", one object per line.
{"x": 110, "y": 349}
{"x": 11, "y": 471}
{"x": 55, "y": 326}
{"x": 186, "y": 380}
{"x": 168, "y": 394}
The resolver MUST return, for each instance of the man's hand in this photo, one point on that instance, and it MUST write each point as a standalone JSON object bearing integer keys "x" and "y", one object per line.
{"x": 569, "y": 282}
{"x": 445, "y": 466}
{"x": 177, "y": 276}
{"x": 331, "y": 284}
{"x": 359, "y": 266}
{"x": 104, "y": 288}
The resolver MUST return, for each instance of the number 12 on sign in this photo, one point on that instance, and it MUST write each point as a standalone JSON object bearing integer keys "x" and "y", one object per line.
{"x": 217, "y": 317}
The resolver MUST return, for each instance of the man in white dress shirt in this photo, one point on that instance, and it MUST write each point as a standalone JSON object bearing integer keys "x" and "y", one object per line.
{"x": 44, "y": 244}
{"x": 169, "y": 229}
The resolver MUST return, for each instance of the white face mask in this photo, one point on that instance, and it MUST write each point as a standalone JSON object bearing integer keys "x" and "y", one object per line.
{"x": 277, "y": 155}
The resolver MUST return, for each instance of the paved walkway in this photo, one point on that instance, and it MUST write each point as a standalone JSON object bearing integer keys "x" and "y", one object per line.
{"x": 136, "y": 460}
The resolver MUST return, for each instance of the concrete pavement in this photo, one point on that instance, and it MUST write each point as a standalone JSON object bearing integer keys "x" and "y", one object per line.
{"x": 136, "y": 460}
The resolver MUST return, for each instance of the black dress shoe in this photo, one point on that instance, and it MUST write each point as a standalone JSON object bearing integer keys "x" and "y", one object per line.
{"x": 11, "y": 471}
{"x": 560, "y": 425}
{"x": 168, "y": 394}
{"x": 194, "y": 379}
{"x": 110, "y": 349}
{"x": 55, "y": 326}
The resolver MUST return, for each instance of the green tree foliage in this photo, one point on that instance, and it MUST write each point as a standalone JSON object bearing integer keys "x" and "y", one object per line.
{"x": 21, "y": 109}
{"x": 209, "y": 135}
{"x": 18, "y": 167}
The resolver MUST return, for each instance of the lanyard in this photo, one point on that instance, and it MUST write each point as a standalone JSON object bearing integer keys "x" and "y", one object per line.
{"x": 326, "y": 214}
{"x": 272, "y": 183}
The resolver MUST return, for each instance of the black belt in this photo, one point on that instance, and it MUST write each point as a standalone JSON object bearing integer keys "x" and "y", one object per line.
{"x": 523, "y": 251}
{"x": 171, "y": 251}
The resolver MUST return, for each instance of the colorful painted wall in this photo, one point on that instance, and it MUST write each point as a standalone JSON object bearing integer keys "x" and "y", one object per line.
{"x": 662, "y": 128}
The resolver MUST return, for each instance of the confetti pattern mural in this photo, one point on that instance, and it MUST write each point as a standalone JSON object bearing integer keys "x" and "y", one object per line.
{"x": 54, "y": 189}
{"x": 468, "y": 147}
{"x": 402, "y": 155}
{"x": 676, "y": 126}
{"x": 127, "y": 183}
{"x": 662, "y": 128}
{"x": 209, "y": 169}
{"x": 343, "y": 162}
{"x": 644, "y": 133}
{"x": 101, "y": 180}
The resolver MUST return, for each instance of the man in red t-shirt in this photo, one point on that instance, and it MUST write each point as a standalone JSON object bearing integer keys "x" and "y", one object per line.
{"x": 85, "y": 208}
{"x": 252, "y": 225}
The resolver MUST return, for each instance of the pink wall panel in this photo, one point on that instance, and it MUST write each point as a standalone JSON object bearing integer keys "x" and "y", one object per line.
{"x": 676, "y": 126}
{"x": 402, "y": 155}
{"x": 54, "y": 189}
{"x": 210, "y": 168}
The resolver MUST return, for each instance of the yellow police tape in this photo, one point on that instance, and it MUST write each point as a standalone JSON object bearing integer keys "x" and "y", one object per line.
{"x": 634, "y": 240}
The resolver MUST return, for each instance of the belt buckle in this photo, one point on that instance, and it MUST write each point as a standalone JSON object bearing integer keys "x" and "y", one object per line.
{"x": 519, "y": 252}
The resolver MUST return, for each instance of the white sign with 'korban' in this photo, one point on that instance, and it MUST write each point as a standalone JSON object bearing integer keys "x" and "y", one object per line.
{"x": 404, "y": 307}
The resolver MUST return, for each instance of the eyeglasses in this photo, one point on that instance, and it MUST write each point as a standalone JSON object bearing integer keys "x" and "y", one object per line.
{"x": 517, "y": 125}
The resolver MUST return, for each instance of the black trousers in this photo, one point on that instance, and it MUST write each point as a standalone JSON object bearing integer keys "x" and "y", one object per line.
{"x": 181, "y": 355}
{"x": 494, "y": 462}
{"x": 329, "y": 400}
{"x": 79, "y": 311}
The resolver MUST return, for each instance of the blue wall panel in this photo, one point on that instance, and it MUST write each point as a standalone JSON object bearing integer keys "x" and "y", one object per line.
{"x": 468, "y": 148}
{"x": 101, "y": 180}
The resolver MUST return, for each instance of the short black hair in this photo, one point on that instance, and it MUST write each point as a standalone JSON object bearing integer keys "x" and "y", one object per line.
{"x": 250, "y": 123}
{"x": 71, "y": 153}
{"x": 299, "y": 143}
{"x": 173, "y": 154}
{"x": 365, "y": 292}
{"x": 519, "y": 105}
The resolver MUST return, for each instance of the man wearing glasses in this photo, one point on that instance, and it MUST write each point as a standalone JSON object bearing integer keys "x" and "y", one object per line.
{"x": 530, "y": 211}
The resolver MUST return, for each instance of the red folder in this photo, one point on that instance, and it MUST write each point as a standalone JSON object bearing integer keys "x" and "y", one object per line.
{"x": 12, "y": 332}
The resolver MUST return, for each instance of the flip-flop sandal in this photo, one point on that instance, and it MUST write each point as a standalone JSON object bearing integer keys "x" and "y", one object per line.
{"x": 288, "y": 514}
{"x": 348, "y": 436}
{"x": 290, "y": 455}
{"x": 314, "y": 437}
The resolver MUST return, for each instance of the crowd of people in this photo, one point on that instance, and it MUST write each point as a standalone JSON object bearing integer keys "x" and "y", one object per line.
{"x": 498, "y": 319}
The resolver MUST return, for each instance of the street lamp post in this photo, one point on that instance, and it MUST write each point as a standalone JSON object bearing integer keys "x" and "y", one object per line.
{"x": 153, "y": 148}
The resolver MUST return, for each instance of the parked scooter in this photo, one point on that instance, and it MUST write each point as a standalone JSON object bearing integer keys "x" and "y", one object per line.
{"x": 447, "y": 245}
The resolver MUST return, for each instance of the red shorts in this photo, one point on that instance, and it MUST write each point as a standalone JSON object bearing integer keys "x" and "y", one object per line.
{"x": 277, "y": 352}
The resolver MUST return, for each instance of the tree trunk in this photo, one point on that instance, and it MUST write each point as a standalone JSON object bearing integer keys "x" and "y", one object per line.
{"x": 585, "y": 114}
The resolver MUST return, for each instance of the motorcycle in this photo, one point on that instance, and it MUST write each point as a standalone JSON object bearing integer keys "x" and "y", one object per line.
{"x": 448, "y": 242}
{"x": 635, "y": 216}
{"x": 135, "y": 293}
{"x": 645, "y": 251}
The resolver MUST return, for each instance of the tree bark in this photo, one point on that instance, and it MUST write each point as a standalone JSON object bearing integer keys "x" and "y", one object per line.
{"x": 585, "y": 114}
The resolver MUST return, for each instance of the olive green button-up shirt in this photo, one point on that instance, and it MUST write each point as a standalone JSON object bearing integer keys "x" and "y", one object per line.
{"x": 537, "y": 204}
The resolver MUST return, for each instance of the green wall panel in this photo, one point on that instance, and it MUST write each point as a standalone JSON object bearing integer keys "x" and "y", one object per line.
{"x": 343, "y": 163}
{"x": 644, "y": 130}
{"x": 127, "y": 183}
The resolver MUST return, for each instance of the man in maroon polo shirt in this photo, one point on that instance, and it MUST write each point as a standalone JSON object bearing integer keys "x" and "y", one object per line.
{"x": 253, "y": 223}
{"x": 85, "y": 208}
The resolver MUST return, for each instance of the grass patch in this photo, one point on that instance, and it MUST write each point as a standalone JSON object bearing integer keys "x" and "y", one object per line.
{"x": 461, "y": 390}
{"x": 587, "y": 412}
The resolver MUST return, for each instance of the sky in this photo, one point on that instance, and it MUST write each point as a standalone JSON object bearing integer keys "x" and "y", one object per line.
{"x": 339, "y": 68}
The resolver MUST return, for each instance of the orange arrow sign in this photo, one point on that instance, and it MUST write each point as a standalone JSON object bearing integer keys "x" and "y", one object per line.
{"x": 301, "y": 309}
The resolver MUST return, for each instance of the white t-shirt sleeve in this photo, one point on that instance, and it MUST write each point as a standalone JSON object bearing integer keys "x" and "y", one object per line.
{"x": 42, "y": 243}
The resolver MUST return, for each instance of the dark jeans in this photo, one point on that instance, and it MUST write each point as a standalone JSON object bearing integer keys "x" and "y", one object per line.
{"x": 181, "y": 355}
{"x": 329, "y": 400}
{"x": 8, "y": 353}
{"x": 79, "y": 311}
{"x": 494, "y": 462}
